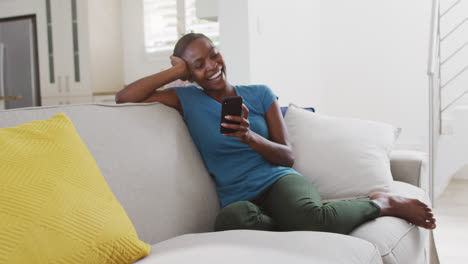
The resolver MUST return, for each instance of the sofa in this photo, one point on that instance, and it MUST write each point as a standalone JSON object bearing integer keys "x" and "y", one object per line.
{"x": 148, "y": 159}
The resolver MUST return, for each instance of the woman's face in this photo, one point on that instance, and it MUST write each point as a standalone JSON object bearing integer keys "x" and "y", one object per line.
{"x": 206, "y": 64}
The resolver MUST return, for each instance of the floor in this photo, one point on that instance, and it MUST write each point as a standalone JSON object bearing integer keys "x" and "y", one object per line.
{"x": 451, "y": 212}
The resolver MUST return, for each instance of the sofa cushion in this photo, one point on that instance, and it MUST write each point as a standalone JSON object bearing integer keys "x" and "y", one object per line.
{"x": 252, "y": 247}
{"x": 397, "y": 240}
{"x": 284, "y": 109}
{"x": 148, "y": 158}
{"x": 55, "y": 206}
{"x": 344, "y": 158}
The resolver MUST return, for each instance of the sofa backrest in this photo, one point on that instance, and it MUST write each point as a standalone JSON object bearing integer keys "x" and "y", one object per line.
{"x": 147, "y": 157}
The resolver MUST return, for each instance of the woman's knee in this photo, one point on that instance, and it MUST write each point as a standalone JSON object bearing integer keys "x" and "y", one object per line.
{"x": 238, "y": 215}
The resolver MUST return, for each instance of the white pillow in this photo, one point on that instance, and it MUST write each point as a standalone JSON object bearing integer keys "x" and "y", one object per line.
{"x": 344, "y": 158}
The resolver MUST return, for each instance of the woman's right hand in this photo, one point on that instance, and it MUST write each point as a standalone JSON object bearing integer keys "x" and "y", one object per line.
{"x": 179, "y": 62}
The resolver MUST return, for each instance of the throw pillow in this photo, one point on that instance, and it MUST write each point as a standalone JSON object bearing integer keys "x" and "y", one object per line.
{"x": 344, "y": 158}
{"x": 55, "y": 205}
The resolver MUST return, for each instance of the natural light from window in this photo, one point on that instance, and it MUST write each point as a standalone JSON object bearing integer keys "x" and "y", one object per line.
{"x": 163, "y": 25}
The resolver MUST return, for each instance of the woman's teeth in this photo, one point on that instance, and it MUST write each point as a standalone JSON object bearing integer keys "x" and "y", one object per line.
{"x": 215, "y": 76}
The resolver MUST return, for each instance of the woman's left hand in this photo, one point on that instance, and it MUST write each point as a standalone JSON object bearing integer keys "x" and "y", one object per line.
{"x": 243, "y": 132}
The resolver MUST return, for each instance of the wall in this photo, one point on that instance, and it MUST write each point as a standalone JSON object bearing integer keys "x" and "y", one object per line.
{"x": 273, "y": 43}
{"x": 285, "y": 49}
{"x": 362, "y": 59}
{"x": 235, "y": 43}
{"x": 105, "y": 42}
{"x": 374, "y": 61}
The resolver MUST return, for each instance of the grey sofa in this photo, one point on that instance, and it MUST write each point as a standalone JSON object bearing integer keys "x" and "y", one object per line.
{"x": 151, "y": 164}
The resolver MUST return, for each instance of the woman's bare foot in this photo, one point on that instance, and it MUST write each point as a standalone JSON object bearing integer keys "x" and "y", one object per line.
{"x": 409, "y": 209}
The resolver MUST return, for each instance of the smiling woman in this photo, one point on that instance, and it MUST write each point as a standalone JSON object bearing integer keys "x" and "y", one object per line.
{"x": 255, "y": 183}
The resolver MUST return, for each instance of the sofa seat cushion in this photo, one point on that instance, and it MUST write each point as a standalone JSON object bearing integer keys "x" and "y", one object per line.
{"x": 246, "y": 246}
{"x": 398, "y": 241}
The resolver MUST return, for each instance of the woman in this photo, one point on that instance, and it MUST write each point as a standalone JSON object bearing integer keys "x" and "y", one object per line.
{"x": 256, "y": 185}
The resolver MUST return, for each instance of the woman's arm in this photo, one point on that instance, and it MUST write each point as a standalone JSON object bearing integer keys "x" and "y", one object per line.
{"x": 144, "y": 90}
{"x": 278, "y": 150}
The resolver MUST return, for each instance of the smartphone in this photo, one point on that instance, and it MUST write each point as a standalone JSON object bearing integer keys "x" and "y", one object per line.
{"x": 230, "y": 106}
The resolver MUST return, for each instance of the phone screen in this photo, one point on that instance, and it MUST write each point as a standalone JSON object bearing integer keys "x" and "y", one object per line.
{"x": 230, "y": 106}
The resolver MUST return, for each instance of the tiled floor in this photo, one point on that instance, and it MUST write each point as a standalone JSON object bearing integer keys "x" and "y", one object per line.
{"x": 451, "y": 234}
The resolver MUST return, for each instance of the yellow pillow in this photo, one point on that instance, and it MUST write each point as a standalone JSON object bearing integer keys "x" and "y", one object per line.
{"x": 55, "y": 206}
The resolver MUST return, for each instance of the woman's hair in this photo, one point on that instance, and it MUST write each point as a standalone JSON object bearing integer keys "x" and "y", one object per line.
{"x": 184, "y": 41}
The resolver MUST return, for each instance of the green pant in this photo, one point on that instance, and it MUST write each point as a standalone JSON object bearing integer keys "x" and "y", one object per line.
{"x": 293, "y": 204}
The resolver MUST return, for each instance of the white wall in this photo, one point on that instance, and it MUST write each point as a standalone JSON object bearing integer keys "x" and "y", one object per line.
{"x": 285, "y": 49}
{"x": 234, "y": 27}
{"x": 363, "y": 59}
{"x": 263, "y": 42}
{"x": 374, "y": 61}
{"x": 105, "y": 42}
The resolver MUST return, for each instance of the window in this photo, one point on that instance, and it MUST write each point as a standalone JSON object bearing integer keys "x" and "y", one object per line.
{"x": 167, "y": 20}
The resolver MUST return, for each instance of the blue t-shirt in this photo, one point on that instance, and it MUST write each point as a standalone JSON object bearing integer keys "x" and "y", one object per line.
{"x": 239, "y": 171}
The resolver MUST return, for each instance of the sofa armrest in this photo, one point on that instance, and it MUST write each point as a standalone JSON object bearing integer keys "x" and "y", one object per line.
{"x": 411, "y": 167}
